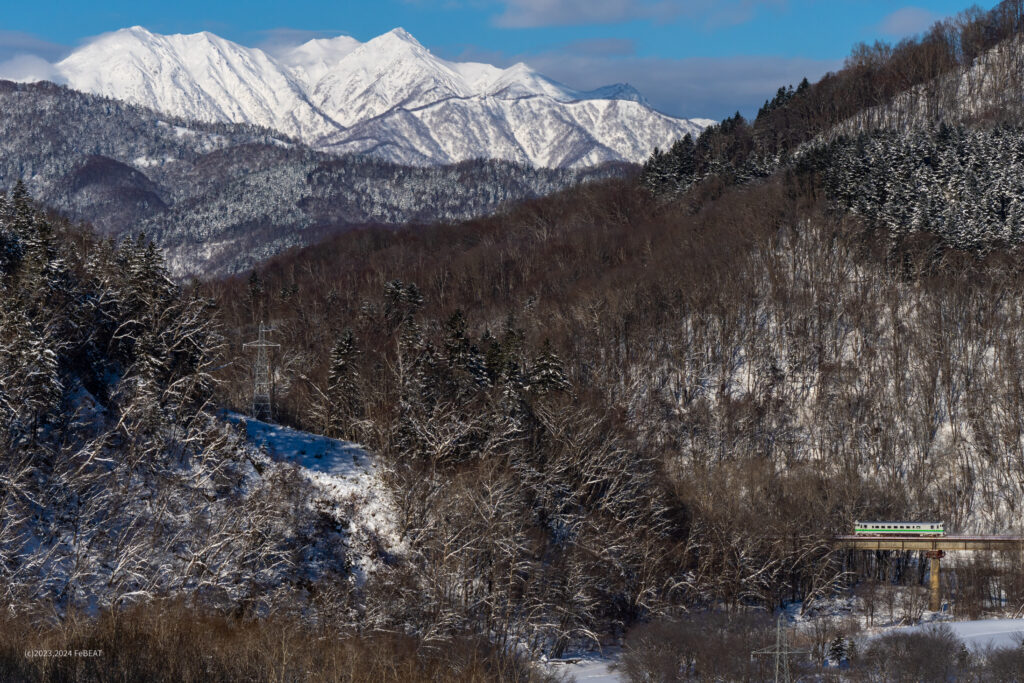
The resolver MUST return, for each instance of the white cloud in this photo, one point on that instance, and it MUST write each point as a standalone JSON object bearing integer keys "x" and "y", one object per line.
{"x": 531, "y": 13}
{"x": 25, "y": 57}
{"x": 698, "y": 87}
{"x": 14, "y": 43}
{"x": 694, "y": 87}
{"x": 602, "y": 46}
{"x": 28, "y": 69}
{"x": 277, "y": 40}
{"x": 907, "y": 21}
{"x": 535, "y": 13}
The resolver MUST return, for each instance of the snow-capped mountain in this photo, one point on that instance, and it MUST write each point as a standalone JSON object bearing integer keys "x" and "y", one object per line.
{"x": 389, "y": 97}
{"x": 536, "y": 130}
{"x": 198, "y": 76}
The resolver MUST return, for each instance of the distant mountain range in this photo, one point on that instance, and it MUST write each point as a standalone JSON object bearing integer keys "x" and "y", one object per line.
{"x": 389, "y": 98}
{"x": 220, "y": 197}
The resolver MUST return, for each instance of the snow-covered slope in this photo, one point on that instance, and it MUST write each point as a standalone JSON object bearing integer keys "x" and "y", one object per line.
{"x": 198, "y": 76}
{"x": 390, "y": 71}
{"x": 348, "y": 485}
{"x": 536, "y": 130}
{"x": 389, "y": 97}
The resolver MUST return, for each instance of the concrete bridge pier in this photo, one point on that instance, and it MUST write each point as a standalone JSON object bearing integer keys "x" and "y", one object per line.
{"x": 934, "y": 576}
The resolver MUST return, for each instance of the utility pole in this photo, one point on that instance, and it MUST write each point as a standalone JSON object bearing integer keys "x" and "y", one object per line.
{"x": 781, "y": 652}
{"x": 262, "y": 408}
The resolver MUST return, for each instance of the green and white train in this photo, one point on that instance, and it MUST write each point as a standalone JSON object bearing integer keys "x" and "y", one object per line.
{"x": 898, "y": 529}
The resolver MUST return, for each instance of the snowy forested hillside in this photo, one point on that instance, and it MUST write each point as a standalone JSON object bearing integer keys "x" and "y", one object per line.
{"x": 123, "y": 481}
{"x": 217, "y": 197}
{"x": 119, "y": 483}
{"x": 964, "y": 185}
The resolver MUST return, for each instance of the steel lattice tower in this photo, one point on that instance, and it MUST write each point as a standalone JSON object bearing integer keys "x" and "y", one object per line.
{"x": 781, "y": 652}
{"x": 262, "y": 408}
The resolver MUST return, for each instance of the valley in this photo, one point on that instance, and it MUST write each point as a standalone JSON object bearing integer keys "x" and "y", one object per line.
{"x": 549, "y": 384}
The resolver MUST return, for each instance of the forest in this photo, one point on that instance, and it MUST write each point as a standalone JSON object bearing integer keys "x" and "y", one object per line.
{"x": 631, "y": 414}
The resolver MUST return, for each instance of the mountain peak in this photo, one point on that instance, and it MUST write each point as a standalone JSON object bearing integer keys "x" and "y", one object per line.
{"x": 396, "y": 37}
{"x": 122, "y": 36}
{"x": 401, "y": 34}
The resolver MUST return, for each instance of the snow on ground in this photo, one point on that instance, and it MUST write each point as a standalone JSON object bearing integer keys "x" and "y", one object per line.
{"x": 590, "y": 671}
{"x": 341, "y": 459}
{"x": 983, "y": 633}
{"x": 976, "y": 635}
{"x": 588, "y": 667}
{"x": 348, "y": 478}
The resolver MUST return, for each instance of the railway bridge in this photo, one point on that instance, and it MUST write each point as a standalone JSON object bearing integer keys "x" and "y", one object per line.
{"x": 934, "y": 547}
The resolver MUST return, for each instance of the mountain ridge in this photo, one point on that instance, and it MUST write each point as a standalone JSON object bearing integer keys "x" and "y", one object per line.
{"x": 340, "y": 95}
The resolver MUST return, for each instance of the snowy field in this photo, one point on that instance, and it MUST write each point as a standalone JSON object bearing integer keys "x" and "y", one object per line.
{"x": 981, "y": 634}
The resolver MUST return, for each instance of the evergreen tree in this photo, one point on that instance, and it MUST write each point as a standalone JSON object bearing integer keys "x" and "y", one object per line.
{"x": 11, "y": 247}
{"x": 23, "y": 218}
{"x": 837, "y": 650}
{"x": 340, "y": 404}
{"x": 548, "y": 374}
{"x": 464, "y": 358}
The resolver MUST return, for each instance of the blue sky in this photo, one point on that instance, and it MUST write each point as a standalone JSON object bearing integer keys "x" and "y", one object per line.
{"x": 689, "y": 57}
